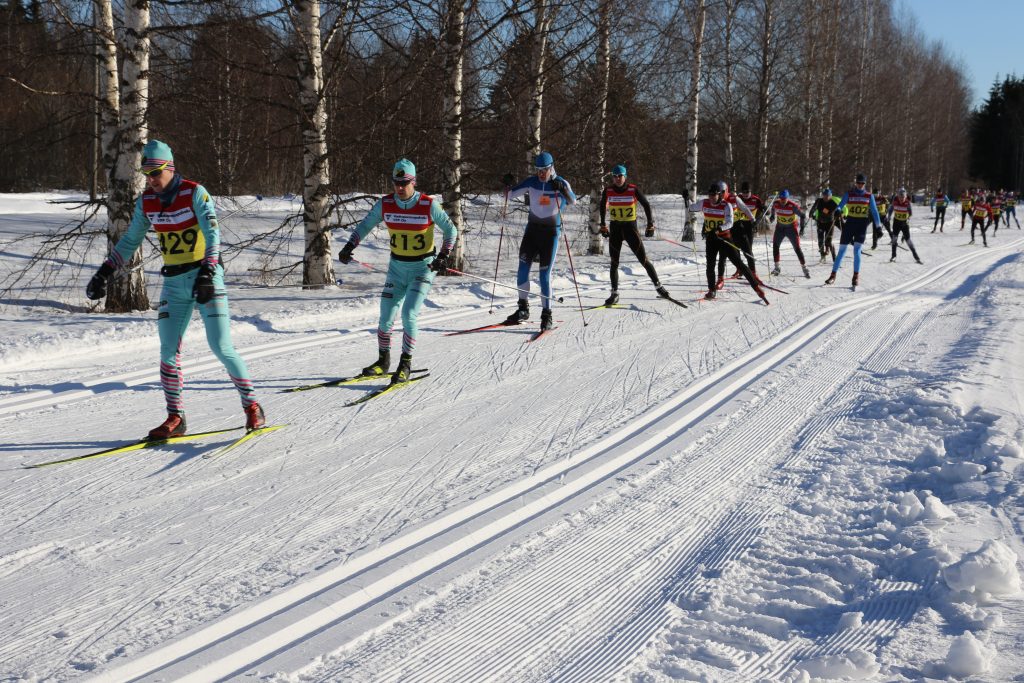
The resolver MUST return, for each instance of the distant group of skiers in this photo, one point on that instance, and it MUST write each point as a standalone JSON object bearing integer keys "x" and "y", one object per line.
{"x": 182, "y": 214}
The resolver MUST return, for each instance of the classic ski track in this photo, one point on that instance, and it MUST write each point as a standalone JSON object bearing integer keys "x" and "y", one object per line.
{"x": 811, "y": 327}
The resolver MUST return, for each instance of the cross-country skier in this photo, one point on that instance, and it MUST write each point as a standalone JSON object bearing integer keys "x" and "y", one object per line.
{"x": 785, "y": 211}
{"x": 860, "y": 212}
{"x": 882, "y": 204}
{"x": 966, "y": 202}
{"x": 621, "y": 199}
{"x": 183, "y": 215}
{"x": 939, "y": 203}
{"x": 742, "y": 231}
{"x": 981, "y": 214}
{"x": 995, "y": 203}
{"x": 1011, "y": 209}
{"x": 900, "y": 211}
{"x": 825, "y": 215}
{"x": 718, "y": 221}
{"x": 547, "y": 193}
{"x": 410, "y": 217}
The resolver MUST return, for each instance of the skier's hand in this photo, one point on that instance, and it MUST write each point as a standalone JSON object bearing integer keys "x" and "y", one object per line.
{"x": 202, "y": 289}
{"x": 603, "y": 230}
{"x": 345, "y": 255}
{"x": 508, "y": 180}
{"x": 649, "y": 232}
{"x": 97, "y": 287}
{"x": 560, "y": 186}
{"x": 442, "y": 261}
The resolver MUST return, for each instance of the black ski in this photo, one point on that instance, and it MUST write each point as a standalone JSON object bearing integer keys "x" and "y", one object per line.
{"x": 342, "y": 382}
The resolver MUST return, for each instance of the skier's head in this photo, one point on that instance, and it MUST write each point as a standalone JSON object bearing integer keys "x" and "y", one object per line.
{"x": 827, "y": 192}
{"x": 860, "y": 180}
{"x": 903, "y": 192}
{"x": 744, "y": 187}
{"x": 717, "y": 188}
{"x": 544, "y": 165}
{"x": 619, "y": 174}
{"x": 784, "y": 195}
{"x": 403, "y": 176}
{"x": 157, "y": 165}
{"x": 875, "y": 190}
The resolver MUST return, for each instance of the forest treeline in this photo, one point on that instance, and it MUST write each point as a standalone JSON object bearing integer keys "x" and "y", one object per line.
{"x": 320, "y": 98}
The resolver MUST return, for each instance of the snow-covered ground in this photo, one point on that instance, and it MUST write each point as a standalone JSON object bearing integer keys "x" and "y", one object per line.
{"x": 826, "y": 488}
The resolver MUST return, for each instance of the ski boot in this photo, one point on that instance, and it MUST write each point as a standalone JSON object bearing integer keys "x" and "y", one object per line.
{"x": 831, "y": 278}
{"x": 892, "y": 260}
{"x": 546, "y": 323}
{"x": 778, "y": 269}
{"x": 662, "y": 292}
{"x": 919, "y": 261}
{"x": 613, "y": 299}
{"x": 522, "y": 313}
{"x": 720, "y": 284}
{"x": 807, "y": 273}
{"x": 403, "y": 370}
{"x": 737, "y": 274}
{"x": 254, "y": 418}
{"x": 174, "y": 425}
{"x": 760, "y": 293}
{"x": 856, "y": 280}
{"x": 710, "y": 295}
{"x": 381, "y": 366}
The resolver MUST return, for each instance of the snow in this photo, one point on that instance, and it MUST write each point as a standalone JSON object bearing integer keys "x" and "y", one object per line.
{"x": 824, "y": 489}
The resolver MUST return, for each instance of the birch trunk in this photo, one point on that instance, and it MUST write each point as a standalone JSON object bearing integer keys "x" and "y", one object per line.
{"x": 542, "y": 24}
{"x": 765, "y": 77}
{"x": 604, "y": 68}
{"x": 451, "y": 166}
{"x": 124, "y": 144}
{"x": 317, "y": 266}
{"x": 693, "y": 109}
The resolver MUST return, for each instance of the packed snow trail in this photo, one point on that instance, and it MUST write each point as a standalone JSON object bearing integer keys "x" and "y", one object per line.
{"x": 155, "y": 553}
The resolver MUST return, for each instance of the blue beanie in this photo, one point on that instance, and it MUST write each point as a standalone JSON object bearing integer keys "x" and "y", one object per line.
{"x": 156, "y": 155}
{"x": 543, "y": 160}
{"x": 784, "y": 194}
{"x": 619, "y": 170}
{"x": 404, "y": 170}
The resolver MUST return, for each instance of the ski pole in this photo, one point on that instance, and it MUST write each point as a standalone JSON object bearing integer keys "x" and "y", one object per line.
{"x": 576, "y": 282}
{"x": 524, "y": 292}
{"x": 501, "y": 237}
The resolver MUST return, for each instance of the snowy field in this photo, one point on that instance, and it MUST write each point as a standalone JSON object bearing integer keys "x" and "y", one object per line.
{"x": 826, "y": 488}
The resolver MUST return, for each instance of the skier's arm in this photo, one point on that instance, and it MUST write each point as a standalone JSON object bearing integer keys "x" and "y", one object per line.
{"x": 206, "y": 214}
{"x": 444, "y": 221}
{"x": 874, "y": 211}
{"x": 520, "y": 189}
{"x": 369, "y": 222}
{"x": 561, "y": 185}
{"x": 132, "y": 238}
{"x": 647, "y": 208}
{"x": 601, "y": 208}
{"x": 744, "y": 208}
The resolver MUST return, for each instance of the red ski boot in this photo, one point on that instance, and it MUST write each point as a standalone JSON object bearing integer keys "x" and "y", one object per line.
{"x": 174, "y": 425}
{"x": 254, "y": 418}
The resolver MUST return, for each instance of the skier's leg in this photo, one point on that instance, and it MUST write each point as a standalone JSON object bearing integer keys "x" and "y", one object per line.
{"x": 419, "y": 279}
{"x": 217, "y": 321}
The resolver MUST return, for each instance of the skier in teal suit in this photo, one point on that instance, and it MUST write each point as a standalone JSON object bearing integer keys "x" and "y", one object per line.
{"x": 410, "y": 217}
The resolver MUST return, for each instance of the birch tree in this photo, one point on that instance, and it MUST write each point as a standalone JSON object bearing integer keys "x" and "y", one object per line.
{"x": 124, "y": 131}
{"x": 542, "y": 15}
{"x": 604, "y": 68}
{"x": 695, "y": 24}
{"x": 453, "y": 42}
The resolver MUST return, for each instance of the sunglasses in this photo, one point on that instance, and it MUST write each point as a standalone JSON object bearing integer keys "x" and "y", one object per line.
{"x": 400, "y": 183}
{"x": 618, "y": 175}
{"x": 154, "y": 171}
{"x": 544, "y": 168}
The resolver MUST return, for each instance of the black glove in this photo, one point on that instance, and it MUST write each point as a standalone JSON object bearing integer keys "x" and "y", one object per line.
{"x": 202, "y": 288}
{"x": 442, "y": 261}
{"x": 97, "y": 287}
{"x": 801, "y": 233}
{"x": 649, "y": 232}
{"x": 559, "y": 185}
{"x": 508, "y": 179}
{"x": 345, "y": 255}
{"x": 603, "y": 230}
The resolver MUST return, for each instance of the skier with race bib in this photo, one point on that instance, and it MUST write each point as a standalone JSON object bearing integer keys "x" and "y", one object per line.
{"x": 410, "y": 217}
{"x": 620, "y": 199}
{"x": 900, "y": 210}
{"x": 547, "y": 194}
{"x": 861, "y": 212}
{"x": 183, "y": 215}
{"x": 785, "y": 211}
